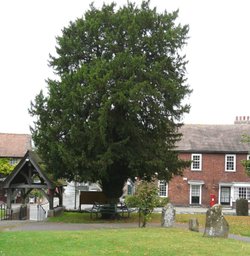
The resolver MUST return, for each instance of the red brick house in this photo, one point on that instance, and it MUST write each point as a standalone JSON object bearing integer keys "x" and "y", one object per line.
{"x": 14, "y": 146}
{"x": 216, "y": 152}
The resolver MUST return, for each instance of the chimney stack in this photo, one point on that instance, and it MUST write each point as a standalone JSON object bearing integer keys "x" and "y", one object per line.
{"x": 242, "y": 120}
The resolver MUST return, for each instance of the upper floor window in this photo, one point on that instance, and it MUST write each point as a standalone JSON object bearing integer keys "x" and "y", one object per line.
{"x": 196, "y": 162}
{"x": 163, "y": 190}
{"x": 230, "y": 163}
{"x": 14, "y": 161}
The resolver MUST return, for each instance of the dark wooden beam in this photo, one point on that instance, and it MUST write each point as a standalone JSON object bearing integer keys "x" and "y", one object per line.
{"x": 29, "y": 186}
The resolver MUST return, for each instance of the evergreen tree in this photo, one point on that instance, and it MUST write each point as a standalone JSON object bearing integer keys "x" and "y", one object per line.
{"x": 114, "y": 110}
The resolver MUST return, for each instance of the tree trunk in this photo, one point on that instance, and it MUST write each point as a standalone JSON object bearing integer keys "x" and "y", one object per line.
{"x": 113, "y": 189}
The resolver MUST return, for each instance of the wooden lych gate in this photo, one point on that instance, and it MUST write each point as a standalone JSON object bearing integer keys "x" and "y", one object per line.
{"x": 29, "y": 174}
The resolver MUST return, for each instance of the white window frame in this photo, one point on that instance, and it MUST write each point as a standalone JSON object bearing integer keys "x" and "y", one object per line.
{"x": 160, "y": 185}
{"x": 193, "y": 168}
{"x": 226, "y": 162}
{"x": 200, "y": 193}
{"x": 241, "y": 191}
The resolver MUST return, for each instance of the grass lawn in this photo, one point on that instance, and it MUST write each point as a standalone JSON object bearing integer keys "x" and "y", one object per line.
{"x": 134, "y": 241}
{"x": 78, "y": 217}
{"x": 239, "y": 225}
{"x": 131, "y": 241}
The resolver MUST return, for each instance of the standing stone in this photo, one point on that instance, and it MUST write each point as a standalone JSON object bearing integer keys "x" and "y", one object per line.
{"x": 216, "y": 224}
{"x": 193, "y": 225}
{"x": 168, "y": 216}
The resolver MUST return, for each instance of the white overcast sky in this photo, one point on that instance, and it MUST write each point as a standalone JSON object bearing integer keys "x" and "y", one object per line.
{"x": 218, "y": 52}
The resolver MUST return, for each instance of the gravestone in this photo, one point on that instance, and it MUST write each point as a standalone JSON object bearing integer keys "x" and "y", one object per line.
{"x": 216, "y": 224}
{"x": 168, "y": 216}
{"x": 193, "y": 225}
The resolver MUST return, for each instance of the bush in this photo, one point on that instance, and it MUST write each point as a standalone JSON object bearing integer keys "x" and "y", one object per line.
{"x": 131, "y": 201}
{"x": 242, "y": 207}
{"x": 162, "y": 201}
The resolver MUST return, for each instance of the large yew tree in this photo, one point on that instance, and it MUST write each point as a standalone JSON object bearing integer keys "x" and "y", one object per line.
{"x": 114, "y": 109}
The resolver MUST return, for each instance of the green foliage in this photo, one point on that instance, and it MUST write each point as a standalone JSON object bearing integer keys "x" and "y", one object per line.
{"x": 146, "y": 199}
{"x": 242, "y": 207}
{"x": 115, "y": 109}
{"x": 162, "y": 201}
{"x": 132, "y": 201}
{"x": 37, "y": 194}
{"x": 246, "y": 163}
{"x": 5, "y": 166}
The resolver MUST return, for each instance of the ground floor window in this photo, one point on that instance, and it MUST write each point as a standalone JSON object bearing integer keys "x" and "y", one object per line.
{"x": 195, "y": 194}
{"x": 242, "y": 192}
{"x": 130, "y": 189}
{"x": 230, "y": 192}
{"x": 163, "y": 188}
{"x": 225, "y": 195}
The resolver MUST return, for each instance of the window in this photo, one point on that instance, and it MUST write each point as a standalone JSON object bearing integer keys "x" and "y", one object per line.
{"x": 242, "y": 192}
{"x": 130, "y": 189}
{"x": 195, "y": 194}
{"x": 163, "y": 192}
{"x": 225, "y": 195}
{"x": 14, "y": 161}
{"x": 230, "y": 163}
{"x": 196, "y": 162}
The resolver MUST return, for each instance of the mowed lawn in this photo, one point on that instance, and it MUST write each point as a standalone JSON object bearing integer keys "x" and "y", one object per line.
{"x": 134, "y": 241}
{"x": 127, "y": 241}
{"x": 239, "y": 225}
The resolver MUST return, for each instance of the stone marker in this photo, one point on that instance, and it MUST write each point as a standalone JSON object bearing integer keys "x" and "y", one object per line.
{"x": 216, "y": 224}
{"x": 193, "y": 225}
{"x": 168, "y": 216}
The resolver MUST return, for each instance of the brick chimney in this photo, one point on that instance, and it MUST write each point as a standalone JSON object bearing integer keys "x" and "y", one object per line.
{"x": 242, "y": 120}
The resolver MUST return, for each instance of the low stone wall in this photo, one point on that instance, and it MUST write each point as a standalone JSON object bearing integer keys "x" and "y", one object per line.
{"x": 18, "y": 215}
{"x": 56, "y": 211}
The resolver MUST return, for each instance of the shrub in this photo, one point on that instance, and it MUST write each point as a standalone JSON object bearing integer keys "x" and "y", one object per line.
{"x": 146, "y": 199}
{"x": 242, "y": 207}
{"x": 162, "y": 201}
{"x": 131, "y": 201}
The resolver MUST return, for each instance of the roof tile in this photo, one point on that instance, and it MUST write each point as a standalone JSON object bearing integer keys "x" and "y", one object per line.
{"x": 14, "y": 145}
{"x": 214, "y": 138}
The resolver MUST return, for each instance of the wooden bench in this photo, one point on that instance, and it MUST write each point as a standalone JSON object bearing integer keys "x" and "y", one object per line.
{"x": 96, "y": 209}
{"x": 103, "y": 209}
{"x": 123, "y": 209}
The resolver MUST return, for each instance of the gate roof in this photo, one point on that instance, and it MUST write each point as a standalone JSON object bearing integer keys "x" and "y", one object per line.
{"x": 29, "y": 173}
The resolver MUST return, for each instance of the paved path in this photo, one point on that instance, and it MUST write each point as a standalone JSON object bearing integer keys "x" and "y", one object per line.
{"x": 48, "y": 226}
{"x": 43, "y": 225}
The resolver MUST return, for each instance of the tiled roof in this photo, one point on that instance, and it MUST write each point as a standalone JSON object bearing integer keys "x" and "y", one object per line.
{"x": 214, "y": 138}
{"x": 14, "y": 145}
